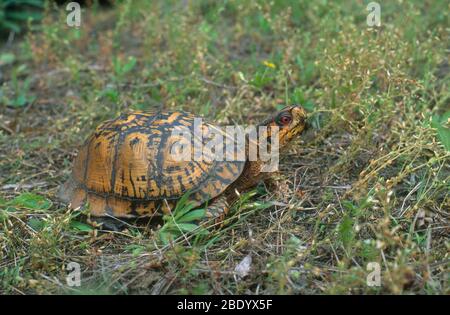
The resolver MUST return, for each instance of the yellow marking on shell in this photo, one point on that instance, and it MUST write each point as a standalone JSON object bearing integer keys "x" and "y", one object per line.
{"x": 173, "y": 117}
{"x": 125, "y": 121}
{"x": 156, "y": 132}
{"x": 217, "y": 185}
{"x": 209, "y": 189}
{"x": 146, "y": 208}
{"x": 234, "y": 168}
{"x": 153, "y": 189}
{"x": 174, "y": 170}
{"x": 167, "y": 206}
{"x": 100, "y": 164}
{"x": 185, "y": 122}
{"x": 132, "y": 166}
{"x": 224, "y": 173}
{"x": 169, "y": 120}
{"x": 79, "y": 164}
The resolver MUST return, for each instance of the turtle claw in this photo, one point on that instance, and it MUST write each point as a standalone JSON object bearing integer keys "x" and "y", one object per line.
{"x": 217, "y": 211}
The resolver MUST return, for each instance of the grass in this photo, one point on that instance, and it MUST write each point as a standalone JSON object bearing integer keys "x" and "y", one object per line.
{"x": 369, "y": 182}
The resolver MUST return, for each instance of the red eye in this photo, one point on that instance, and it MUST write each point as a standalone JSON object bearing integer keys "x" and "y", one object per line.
{"x": 285, "y": 120}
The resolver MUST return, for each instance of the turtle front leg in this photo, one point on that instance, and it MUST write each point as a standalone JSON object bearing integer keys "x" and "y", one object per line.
{"x": 217, "y": 210}
{"x": 278, "y": 185}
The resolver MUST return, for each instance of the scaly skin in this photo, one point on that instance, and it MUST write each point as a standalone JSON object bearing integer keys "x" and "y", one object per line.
{"x": 252, "y": 174}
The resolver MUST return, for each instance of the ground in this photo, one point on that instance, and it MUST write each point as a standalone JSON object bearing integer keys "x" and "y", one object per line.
{"x": 365, "y": 189}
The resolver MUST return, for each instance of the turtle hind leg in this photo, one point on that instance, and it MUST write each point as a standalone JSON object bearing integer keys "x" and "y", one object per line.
{"x": 108, "y": 223}
{"x": 216, "y": 211}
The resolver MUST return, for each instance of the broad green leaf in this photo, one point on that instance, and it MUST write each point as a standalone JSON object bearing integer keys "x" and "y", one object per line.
{"x": 348, "y": 205}
{"x": 31, "y": 201}
{"x": 24, "y": 15}
{"x": 280, "y": 106}
{"x": 192, "y": 216}
{"x": 110, "y": 93}
{"x": 129, "y": 65}
{"x": 183, "y": 200}
{"x": 257, "y": 205}
{"x": 7, "y": 58}
{"x": 20, "y": 101}
{"x": 36, "y": 3}
{"x": 10, "y": 25}
{"x": 443, "y": 133}
{"x": 308, "y": 105}
{"x": 187, "y": 227}
{"x": 261, "y": 206}
{"x": 345, "y": 231}
{"x": 181, "y": 211}
{"x": 184, "y": 205}
{"x": 116, "y": 65}
{"x": 165, "y": 237}
{"x": 80, "y": 226}
{"x": 297, "y": 96}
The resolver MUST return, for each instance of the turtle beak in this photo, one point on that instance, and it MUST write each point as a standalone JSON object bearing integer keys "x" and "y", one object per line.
{"x": 299, "y": 115}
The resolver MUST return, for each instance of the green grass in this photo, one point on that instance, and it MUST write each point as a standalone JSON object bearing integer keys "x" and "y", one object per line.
{"x": 369, "y": 183}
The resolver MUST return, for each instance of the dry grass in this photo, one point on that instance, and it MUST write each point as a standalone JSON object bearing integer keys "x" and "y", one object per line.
{"x": 369, "y": 183}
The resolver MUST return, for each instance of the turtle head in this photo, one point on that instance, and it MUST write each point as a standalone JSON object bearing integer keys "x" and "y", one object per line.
{"x": 290, "y": 120}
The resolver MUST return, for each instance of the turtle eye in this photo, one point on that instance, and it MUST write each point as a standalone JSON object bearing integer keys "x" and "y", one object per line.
{"x": 285, "y": 119}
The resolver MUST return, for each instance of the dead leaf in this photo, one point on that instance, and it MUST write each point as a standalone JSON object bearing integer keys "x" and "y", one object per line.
{"x": 243, "y": 268}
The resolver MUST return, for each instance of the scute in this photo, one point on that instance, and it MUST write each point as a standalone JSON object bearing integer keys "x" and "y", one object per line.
{"x": 126, "y": 168}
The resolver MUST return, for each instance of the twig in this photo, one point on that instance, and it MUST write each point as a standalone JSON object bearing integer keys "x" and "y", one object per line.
{"x": 6, "y": 128}
{"x": 24, "y": 186}
{"x": 217, "y": 84}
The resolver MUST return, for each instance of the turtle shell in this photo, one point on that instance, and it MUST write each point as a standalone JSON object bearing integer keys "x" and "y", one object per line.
{"x": 127, "y": 167}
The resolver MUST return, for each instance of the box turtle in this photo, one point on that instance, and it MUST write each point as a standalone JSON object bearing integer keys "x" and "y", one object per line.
{"x": 126, "y": 168}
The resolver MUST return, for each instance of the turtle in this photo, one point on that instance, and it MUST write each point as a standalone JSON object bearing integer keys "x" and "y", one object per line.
{"x": 127, "y": 168}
